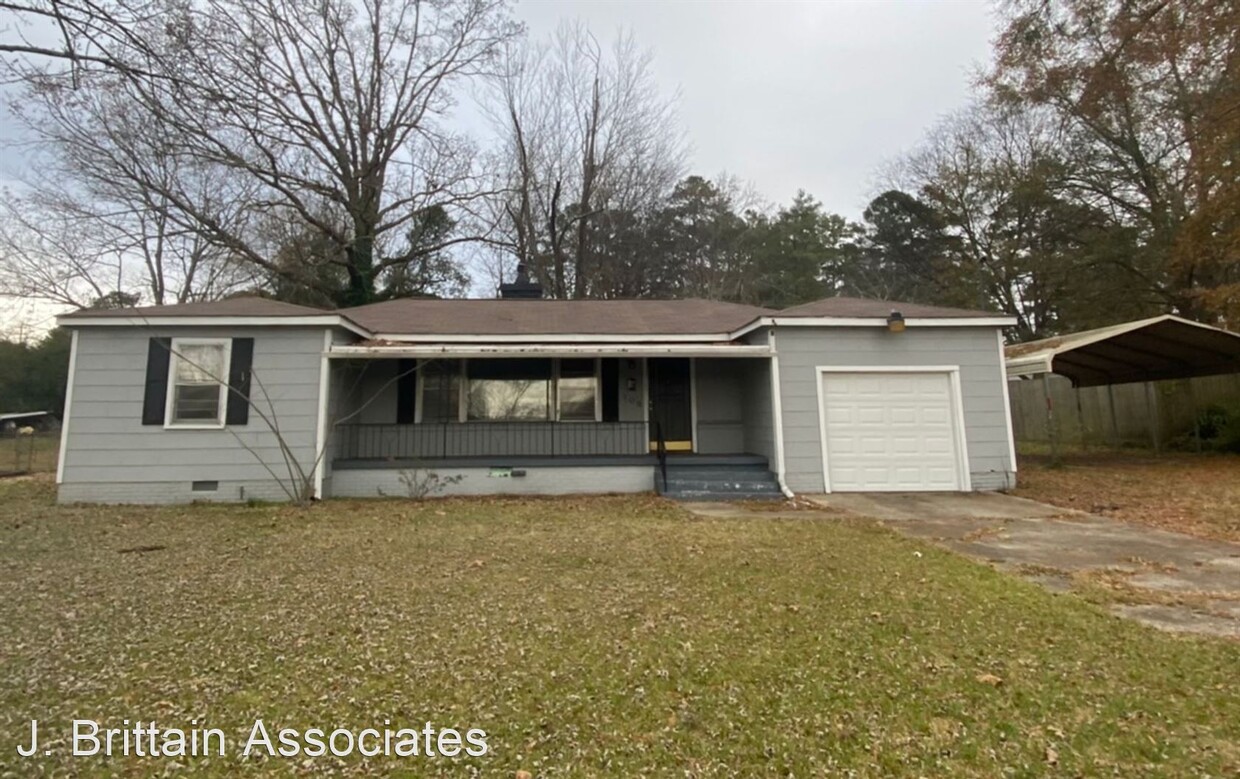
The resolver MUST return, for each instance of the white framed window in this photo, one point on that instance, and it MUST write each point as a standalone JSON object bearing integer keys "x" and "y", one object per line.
{"x": 439, "y": 391}
{"x": 198, "y": 383}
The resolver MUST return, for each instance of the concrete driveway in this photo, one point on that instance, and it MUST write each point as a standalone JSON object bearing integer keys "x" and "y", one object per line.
{"x": 1167, "y": 580}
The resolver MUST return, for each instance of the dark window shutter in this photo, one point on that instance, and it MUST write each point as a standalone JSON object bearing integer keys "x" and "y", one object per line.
{"x": 240, "y": 363}
{"x": 406, "y": 391}
{"x": 610, "y": 380}
{"x": 155, "y": 397}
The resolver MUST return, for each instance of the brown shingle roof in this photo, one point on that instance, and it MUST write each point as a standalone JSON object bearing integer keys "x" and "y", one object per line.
{"x": 553, "y": 317}
{"x": 238, "y": 306}
{"x": 424, "y": 316}
{"x": 867, "y": 308}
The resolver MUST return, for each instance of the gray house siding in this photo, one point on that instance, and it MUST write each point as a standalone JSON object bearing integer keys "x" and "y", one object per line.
{"x": 112, "y": 457}
{"x": 974, "y": 349}
{"x": 758, "y": 413}
{"x": 720, "y": 422}
{"x": 374, "y": 399}
{"x": 733, "y": 398}
{"x": 759, "y": 410}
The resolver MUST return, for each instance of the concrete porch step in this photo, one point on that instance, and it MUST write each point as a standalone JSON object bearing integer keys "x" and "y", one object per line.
{"x": 725, "y": 484}
{"x": 717, "y": 472}
{"x": 707, "y": 495}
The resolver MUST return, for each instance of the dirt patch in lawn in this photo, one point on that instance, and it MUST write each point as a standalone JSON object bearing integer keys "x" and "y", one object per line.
{"x": 1194, "y": 494}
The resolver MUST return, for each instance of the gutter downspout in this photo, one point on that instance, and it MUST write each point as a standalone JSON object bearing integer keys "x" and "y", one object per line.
{"x": 778, "y": 409}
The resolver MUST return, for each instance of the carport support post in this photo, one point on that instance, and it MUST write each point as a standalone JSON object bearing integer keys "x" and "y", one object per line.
{"x": 1151, "y": 403}
{"x": 1114, "y": 418}
{"x": 1192, "y": 404}
{"x": 1051, "y": 435}
{"x": 1080, "y": 419}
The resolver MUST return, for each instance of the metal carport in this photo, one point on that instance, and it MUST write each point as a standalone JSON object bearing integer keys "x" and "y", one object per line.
{"x": 1147, "y": 350}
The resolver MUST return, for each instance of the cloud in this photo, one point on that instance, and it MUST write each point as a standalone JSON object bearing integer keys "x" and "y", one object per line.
{"x": 813, "y": 95}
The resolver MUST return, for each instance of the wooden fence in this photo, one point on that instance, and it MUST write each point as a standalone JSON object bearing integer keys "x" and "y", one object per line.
{"x": 1154, "y": 415}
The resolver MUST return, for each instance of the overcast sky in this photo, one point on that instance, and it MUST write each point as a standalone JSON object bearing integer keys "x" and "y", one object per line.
{"x": 799, "y": 95}
{"x": 785, "y": 95}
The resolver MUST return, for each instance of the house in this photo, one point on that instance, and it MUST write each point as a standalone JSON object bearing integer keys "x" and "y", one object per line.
{"x": 525, "y": 395}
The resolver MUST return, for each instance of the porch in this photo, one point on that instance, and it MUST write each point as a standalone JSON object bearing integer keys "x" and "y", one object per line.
{"x": 516, "y": 424}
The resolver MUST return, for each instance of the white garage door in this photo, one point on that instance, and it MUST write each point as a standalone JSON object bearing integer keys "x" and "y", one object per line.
{"x": 890, "y": 432}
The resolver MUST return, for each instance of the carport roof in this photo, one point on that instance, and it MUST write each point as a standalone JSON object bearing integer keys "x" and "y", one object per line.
{"x": 1164, "y": 347}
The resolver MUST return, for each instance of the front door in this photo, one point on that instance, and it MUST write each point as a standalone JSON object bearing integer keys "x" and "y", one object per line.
{"x": 671, "y": 409}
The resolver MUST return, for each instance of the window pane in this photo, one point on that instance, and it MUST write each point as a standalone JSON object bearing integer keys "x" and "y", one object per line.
{"x": 200, "y": 363}
{"x": 196, "y": 403}
{"x": 440, "y": 391}
{"x": 509, "y": 389}
{"x": 519, "y": 399}
{"x": 577, "y": 399}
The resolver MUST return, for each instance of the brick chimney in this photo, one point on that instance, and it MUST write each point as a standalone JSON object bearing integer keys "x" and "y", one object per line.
{"x": 522, "y": 288}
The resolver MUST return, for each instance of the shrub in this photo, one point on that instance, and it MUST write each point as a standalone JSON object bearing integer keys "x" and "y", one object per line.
{"x": 1219, "y": 426}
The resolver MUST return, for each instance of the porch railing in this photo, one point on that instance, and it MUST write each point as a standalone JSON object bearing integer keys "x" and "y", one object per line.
{"x": 436, "y": 440}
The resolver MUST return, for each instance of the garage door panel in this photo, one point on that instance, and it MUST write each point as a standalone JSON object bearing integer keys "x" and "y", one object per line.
{"x": 890, "y": 431}
{"x": 904, "y": 415}
{"x": 902, "y": 445}
{"x": 871, "y": 415}
{"x": 840, "y": 414}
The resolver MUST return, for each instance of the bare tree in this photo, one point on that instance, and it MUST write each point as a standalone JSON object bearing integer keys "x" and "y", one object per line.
{"x": 328, "y": 114}
{"x": 80, "y": 36}
{"x": 584, "y": 131}
{"x": 1013, "y": 237}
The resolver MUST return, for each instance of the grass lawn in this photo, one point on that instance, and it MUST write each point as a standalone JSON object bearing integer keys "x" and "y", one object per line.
{"x": 1186, "y": 493}
{"x": 595, "y": 637}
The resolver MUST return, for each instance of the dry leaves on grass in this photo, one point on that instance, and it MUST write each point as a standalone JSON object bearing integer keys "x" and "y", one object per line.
{"x": 588, "y": 637}
{"x": 1194, "y": 494}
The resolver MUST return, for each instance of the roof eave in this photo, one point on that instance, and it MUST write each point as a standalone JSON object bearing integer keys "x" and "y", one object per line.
{"x": 595, "y": 349}
{"x": 314, "y": 320}
{"x": 837, "y": 321}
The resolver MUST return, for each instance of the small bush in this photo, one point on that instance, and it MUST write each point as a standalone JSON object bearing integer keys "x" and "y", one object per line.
{"x": 1219, "y": 427}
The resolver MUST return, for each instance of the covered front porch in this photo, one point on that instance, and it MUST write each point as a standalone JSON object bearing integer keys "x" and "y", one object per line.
{"x": 563, "y": 419}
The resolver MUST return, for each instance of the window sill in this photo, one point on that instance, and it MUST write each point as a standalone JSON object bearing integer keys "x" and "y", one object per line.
{"x": 192, "y": 426}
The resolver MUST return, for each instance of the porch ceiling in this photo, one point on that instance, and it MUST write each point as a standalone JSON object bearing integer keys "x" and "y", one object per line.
{"x": 393, "y": 350}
